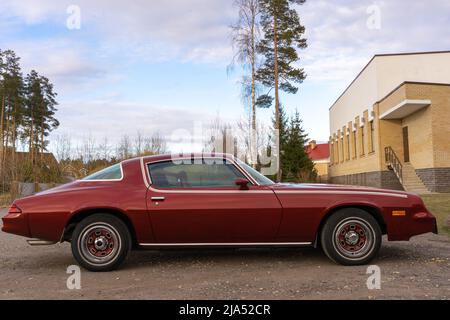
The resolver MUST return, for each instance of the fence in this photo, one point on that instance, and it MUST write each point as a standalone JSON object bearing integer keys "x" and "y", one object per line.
{"x": 24, "y": 189}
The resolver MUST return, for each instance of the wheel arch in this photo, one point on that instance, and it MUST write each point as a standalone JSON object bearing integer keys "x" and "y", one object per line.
{"x": 78, "y": 216}
{"x": 369, "y": 208}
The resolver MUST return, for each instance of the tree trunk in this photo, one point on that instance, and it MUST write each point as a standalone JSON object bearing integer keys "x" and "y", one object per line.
{"x": 2, "y": 149}
{"x": 7, "y": 137}
{"x": 42, "y": 142}
{"x": 13, "y": 138}
{"x": 277, "y": 102}
{"x": 253, "y": 62}
{"x": 30, "y": 147}
{"x": 2, "y": 143}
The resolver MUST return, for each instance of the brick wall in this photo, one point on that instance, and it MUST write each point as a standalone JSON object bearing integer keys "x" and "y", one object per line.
{"x": 376, "y": 179}
{"x": 436, "y": 179}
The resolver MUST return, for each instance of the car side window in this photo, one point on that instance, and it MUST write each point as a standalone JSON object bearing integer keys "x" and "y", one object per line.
{"x": 110, "y": 173}
{"x": 167, "y": 175}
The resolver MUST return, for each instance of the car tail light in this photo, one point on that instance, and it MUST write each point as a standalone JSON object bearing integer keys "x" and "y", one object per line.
{"x": 14, "y": 209}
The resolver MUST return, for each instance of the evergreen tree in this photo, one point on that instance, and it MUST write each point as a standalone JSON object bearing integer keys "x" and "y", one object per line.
{"x": 283, "y": 35}
{"x": 27, "y": 112}
{"x": 11, "y": 95}
{"x": 297, "y": 166}
{"x": 39, "y": 113}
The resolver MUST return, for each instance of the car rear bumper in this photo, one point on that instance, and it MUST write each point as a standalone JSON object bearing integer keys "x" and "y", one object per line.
{"x": 16, "y": 223}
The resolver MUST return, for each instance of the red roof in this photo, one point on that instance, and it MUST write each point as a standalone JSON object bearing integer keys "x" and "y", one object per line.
{"x": 320, "y": 152}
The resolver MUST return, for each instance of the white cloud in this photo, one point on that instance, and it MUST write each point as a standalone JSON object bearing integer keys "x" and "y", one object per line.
{"x": 70, "y": 65}
{"x": 340, "y": 43}
{"x": 183, "y": 29}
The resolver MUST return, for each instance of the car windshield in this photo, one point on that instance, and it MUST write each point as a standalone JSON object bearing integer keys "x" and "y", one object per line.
{"x": 261, "y": 179}
{"x": 111, "y": 173}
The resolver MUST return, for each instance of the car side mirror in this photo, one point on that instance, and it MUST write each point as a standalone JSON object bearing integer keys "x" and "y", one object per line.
{"x": 242, "y": 183}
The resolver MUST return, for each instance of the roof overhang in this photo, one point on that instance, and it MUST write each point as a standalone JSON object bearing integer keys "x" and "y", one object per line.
{"x": 404, "y": 109}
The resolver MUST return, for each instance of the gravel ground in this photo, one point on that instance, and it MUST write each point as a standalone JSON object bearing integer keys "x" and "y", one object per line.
{"x": 419, "y": 269}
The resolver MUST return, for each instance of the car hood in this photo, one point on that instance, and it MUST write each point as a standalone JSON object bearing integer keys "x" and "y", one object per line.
{"x": 329, "y": 187}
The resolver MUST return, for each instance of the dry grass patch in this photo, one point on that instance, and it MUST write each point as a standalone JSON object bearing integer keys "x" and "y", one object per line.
{"x": 439, "y": 205}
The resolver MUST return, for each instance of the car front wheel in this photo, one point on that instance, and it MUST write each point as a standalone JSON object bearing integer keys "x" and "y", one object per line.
{"x": 351, "y": 237}
{"x": 101, "y": 242}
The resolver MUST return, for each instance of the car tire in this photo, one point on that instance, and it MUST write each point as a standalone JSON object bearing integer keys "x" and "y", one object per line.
{"x": 351, "y": 237}
{"x": 101, "y": 242}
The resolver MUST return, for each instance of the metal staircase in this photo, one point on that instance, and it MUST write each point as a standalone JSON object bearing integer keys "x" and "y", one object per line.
{"x": 405, "y": 173}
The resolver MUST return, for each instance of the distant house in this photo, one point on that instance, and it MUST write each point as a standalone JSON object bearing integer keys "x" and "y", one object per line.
{"x": 48, "y": 158}
{"x": 320, "y": 155}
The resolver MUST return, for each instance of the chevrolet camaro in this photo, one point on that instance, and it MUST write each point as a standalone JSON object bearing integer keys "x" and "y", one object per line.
{"x": 203, "y": 201}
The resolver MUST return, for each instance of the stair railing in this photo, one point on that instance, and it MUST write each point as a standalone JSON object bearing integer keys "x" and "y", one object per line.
{"x": 393, "y": 163}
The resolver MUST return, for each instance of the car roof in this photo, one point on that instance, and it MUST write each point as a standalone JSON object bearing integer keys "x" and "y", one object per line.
{"x": 166, "y": 157}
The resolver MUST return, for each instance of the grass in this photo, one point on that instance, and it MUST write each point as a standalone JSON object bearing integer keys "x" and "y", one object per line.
{"x": 439, "y": 205}
{"x": 5, "y": 200}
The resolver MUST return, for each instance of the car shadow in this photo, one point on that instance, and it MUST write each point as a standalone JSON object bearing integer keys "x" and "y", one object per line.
{"x": 301, "y": 256}
{"x": 183, "y": 257}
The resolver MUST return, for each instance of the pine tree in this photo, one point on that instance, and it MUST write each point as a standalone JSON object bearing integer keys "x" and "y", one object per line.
{"x": 297, "y": 166}
{"x": 283, "y": 35}
{"x": 27, "y": 112}
{"x": 39, "y": 114}
{"x": 11, "y": 111}
{"x": 48, "y": 122}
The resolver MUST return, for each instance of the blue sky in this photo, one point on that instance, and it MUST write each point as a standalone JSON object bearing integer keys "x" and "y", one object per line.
{"x": 159, "y": 66}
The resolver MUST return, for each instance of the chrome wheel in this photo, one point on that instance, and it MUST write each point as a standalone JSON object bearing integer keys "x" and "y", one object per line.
{"x": 100, "y": 243}
{"x": 354, "y": 238}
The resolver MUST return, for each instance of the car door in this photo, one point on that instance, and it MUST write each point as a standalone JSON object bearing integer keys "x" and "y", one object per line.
{"x": 198, "y": 202}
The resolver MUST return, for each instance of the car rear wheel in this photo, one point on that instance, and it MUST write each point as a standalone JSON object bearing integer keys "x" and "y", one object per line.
{"x": 351, "y": 237}
{"x": 101, "y": 242}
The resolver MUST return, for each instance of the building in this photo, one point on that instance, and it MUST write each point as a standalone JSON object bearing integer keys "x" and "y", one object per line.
{"x": 320, "y": 155}
{"x": 391, "y": 127}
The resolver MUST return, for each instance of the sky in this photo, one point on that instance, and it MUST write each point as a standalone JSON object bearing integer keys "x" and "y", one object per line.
{"x": 161, "y": 66}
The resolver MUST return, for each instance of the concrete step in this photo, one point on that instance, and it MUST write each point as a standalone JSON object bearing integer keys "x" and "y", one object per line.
{"x": 412, "y": 182}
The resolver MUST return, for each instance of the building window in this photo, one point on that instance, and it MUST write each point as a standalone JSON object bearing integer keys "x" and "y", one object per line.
{"x": 348, "y": 146}
{"x": 362, "y": 141}
{"x": 342, "y": 149}
{"x": 354, "y": 145}
{"x": 371, "y": 142}
{"x": 336, "y": 150}
{"x": 331, "y": 152}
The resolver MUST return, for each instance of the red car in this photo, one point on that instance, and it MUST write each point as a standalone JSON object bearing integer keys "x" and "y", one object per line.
{"x": 211, "y": 201}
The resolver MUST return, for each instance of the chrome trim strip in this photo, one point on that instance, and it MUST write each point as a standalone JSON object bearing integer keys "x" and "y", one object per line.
{"x": 106, "y": 180}
{"x": 371, "y": 193}
{"x": 226, "y": 244}
{"x": 38, "y": 242}
{"x": 144, "y": 176}
{"x": 210, "y": 191}
{"x": 148, "y": 183}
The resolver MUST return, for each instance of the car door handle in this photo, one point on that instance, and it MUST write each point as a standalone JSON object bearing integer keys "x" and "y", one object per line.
{"x": 158, "y": 198}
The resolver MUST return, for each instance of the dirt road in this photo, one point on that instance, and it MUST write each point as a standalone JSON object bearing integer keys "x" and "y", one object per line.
{"x": 418, "y": 269}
